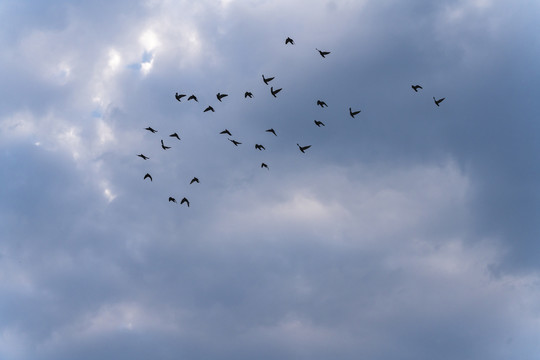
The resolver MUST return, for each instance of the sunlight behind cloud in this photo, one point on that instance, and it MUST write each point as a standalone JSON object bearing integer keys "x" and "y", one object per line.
{"x": 149, "y": 40}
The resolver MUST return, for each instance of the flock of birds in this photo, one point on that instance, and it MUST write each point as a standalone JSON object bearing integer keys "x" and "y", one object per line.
{"x": 248, "y": 94}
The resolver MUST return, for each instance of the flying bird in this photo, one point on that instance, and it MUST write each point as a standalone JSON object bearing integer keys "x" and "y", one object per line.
{"x": 163, "y": 145}
{"x": 193, "y": 97}
{"x": 259, "y": 147}
{"x": 248, "y": 95}
{"x": 323, "y": 53}
{"x": 274, "y": 92}
{"x": 352, "y": 113}
{"x": 179, "y": 96}
{"x": 151, "y": 130}
{"x": 184, "y": 200}
{"x": 321, "y": 103}
{"x": 271, "y": 131}
{"x": 416, "y": 87}
{"x": 267, "y": 80}
{"x": 143, "y": 157}
{"x": 437, "y": 102}
{"x": 236, "y": 143}
{"x": 172, "y": 199}
{"x": 194, "y": 180}
{"x": 263, "y": 165}
{"x": 175, "y": 135}
{"x": 209, "y": 108}
{"x": 147, "y": 176}
{"x": 319, "y": 123}
{"x": 226, "y": 132}
{"x": 303, "y": 148}
{"x": 289, "y": 41}
{"x": 221, "y": 96}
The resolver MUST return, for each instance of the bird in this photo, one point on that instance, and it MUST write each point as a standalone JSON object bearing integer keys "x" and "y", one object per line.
{"x": 163, "y": 146}
{"x": 179, "y": 96}
{"x": 143, "y": 157}
{"x": 151, "y": 130}
{"x": 263, "y": 165}
{"x": 209, "y": 108}
{"x": 267, "y": 80}
{"x": 193, "y": 97}
{"x": 259, "y": 147}
{"x": 319, "y": 123}
{"x": 321, "y": 103}
{"x": 194, "y": 180}
{"x": 226, "y": 132}
{"x": 274, "y": 92}
{"x": 147, "y": 176}
{"x": 236, "y": 143}
{"x": 352, "y": 113}
{"x": 437, "y": 102}
{"x": 303, "y": 148}
{"x": 184, "y": 200}
{"x": 289, "y": 41}
{"x": 416, "y": 87}
{"x": 248, "y": 95}
{"x": 323, "y": 53}
{"x": 175, "y": 135}
{"x": 221, "y": 96}
{"x": 172, "y": 199}
{"x": 271, "y": 131}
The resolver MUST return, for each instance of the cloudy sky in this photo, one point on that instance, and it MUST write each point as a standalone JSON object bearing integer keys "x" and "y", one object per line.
{"x": 407, "y": 232}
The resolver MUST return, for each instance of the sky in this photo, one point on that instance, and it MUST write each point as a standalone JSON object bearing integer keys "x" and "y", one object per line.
{"x": 407, "y": 232}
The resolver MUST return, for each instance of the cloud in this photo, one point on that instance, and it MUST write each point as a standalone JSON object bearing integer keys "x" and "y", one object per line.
{"x": 410, "y": 225}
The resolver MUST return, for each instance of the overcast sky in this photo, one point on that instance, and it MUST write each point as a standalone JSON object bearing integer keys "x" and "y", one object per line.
{"x": 407, "y": 232}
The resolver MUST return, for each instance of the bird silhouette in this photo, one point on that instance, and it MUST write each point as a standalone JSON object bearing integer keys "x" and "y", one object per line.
{"x": 437, "y": 102}
{"x": 416, "y": 87}
{"x": 274, "y": 92}
{"x": 323, "y": 53}
{"x": 321, "y": 103}
{"x": 163, "y": 146}
{"x": 194, "y": 180}
{"x": 271, "y": 131}
{"x": 184, "y": 200}
{"x": 209, "y": 108}
{"x": 267, "y": 80}
{"x": 259, "y": 147}
{"x": 175, "y": 135}
{"x": 319, "y": 123}
{"x": 248, "y": 95}
{"x": 143, "y": 157}
{"x": 289, "y": 41}
{"x": 147, "y": 176}
{"x": 303, "y": 148}
{"x": 151, "y": 130}
{"x": 193, "y": 97}
{"x": 352, "y": 113}
{"x": 236, "y": 143}
{"x": 226, "y": 132}
{"x": 179, "y": 96}
{"x": 263, "y": 165}
{"x": 172, "y": 199}
{"x": 221, "y": 96}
